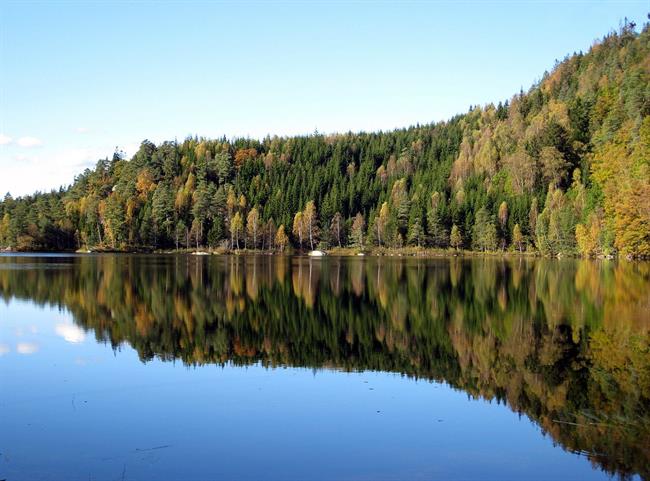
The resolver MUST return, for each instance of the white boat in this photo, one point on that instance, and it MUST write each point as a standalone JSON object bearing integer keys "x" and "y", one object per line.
{"x": 316, "y": 254}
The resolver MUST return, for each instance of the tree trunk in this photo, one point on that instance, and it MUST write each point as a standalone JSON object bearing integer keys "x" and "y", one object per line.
{"x": 311, "y": 237}
{"x": 338, "y": 232}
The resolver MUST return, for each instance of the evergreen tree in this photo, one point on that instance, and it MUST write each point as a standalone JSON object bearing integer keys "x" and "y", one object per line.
{"x": 484, "y": 233}
{"x": 358, "y": 228}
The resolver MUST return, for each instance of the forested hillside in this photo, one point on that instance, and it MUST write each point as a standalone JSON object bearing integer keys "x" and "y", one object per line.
{"x": 561, "y": 168}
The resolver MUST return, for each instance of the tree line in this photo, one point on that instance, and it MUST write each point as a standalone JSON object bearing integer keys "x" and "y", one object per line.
{"x": 562, "y": 168}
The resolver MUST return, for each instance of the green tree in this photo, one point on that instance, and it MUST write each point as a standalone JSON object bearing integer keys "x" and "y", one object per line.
{"x": 162, "y": 212}
{"x": 484, "y": 233}
{"x": 517, "y": 238}
{"x": 456, "y": 239}
{"x": 358, "y": 229}
{"x": 416, "y": 232}
{"x": 438, "y": 234}
{"x": 180, "y": 232}
{"x": 336, "y": 229}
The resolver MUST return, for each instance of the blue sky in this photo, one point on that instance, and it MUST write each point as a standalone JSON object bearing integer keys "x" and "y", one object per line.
{"x": 78, "y": 79}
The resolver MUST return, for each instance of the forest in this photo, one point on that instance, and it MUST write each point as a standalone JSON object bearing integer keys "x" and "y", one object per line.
{"x": 560, "y": 169}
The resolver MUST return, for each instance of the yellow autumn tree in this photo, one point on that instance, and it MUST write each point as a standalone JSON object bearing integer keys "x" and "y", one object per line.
{"x": 622, "y": 169}
{"x": 281, "y": 239}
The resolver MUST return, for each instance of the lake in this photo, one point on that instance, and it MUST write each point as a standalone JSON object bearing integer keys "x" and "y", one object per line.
{"x": 142, "y": 367}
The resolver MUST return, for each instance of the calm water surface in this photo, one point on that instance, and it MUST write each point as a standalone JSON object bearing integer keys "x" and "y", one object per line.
{"x": 246, "y": 368}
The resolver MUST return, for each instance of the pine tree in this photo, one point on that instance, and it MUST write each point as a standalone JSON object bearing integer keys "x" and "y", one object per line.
{"x": 358, "y": 228}
{"x": 416, "y": 233}
{"x": 179, "y": 232}
{"x": 336, "y": 228}
{"x": 484, "y": 233}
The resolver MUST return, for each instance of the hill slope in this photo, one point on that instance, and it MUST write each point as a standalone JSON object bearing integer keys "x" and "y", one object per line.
{"x": 562, "y": 168}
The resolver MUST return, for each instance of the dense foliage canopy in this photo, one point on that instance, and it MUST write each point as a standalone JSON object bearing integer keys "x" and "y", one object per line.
{"x": 562, "y": 168}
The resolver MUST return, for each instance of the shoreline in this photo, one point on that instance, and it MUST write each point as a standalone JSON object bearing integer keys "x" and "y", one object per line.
{"x": 418, "y": 252}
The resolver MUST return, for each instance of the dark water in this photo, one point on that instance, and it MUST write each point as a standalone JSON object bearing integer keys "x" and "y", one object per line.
{"x": 193, "y": 368}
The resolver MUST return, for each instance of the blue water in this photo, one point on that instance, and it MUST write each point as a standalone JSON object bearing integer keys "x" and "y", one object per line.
{"x": 73, "y": 408}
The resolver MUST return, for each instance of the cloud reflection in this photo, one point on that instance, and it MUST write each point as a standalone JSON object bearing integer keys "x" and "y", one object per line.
{"x": 70, "y": 333}
{"x": 26, "y": 348}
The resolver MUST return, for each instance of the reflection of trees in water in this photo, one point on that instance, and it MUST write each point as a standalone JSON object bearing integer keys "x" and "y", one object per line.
{"x": 566, "y": 343}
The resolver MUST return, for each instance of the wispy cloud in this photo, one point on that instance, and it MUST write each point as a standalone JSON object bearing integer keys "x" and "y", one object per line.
{"x": 5, "y": 139}
{"x": 82, "y": 130}
{"x": 29, "y": 142}
{"x": 4, "y": 349}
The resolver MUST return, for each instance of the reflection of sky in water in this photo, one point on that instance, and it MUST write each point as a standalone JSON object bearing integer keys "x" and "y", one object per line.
{"x": 70, "y": 332}
{"x": 76, "y": 409}
{"x": 27, "y": 334}
{"x": 26, "y": 347}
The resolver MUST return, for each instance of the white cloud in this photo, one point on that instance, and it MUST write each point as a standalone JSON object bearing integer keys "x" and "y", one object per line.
{"x": 29, "y": 142}
{"x": 70, "y": 333}
{"x": 4, "y": 349}
{"x": 82, "y": 130}
{"x": 26, "y": 348}
{"x": 46, "y": 168}
{"x": 22, "y": 175}
{"x": 5, "y": 139}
